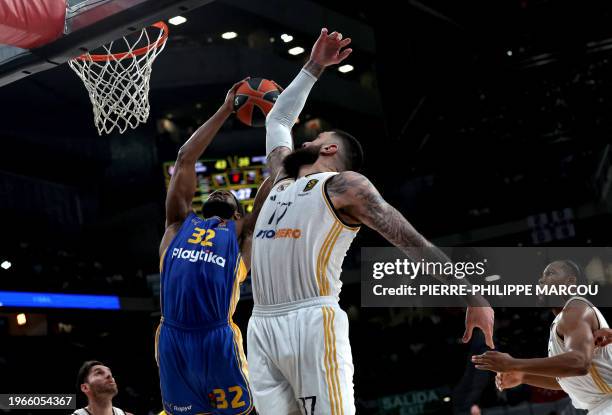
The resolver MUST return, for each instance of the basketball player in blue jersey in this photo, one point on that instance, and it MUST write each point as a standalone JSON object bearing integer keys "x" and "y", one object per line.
{"x": 299, "y": 351}
{"x": 199, "y": 351}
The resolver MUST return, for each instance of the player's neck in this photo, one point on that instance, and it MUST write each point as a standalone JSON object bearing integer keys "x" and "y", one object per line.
{"x": 318, "y": 167}
{"x": 100, "y": 406}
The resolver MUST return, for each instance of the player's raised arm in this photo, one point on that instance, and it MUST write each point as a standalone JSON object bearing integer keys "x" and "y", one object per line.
{"x": 327, "y": 50}
{"x": 354, "y": 196}
{"x": 183, "y": 182}
{"x": 576, "y": 328}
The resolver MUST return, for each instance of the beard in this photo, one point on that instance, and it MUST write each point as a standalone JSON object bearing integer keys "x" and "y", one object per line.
{"x": 219, "y": 208}
{"x": 105, "y": 389}
{"x": 301, "y": 157}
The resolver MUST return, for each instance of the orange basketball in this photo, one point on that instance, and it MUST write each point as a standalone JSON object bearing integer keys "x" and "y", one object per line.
{"x": 254, "y": 100}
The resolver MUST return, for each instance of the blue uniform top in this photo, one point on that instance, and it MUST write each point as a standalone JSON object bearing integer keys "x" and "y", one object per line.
{"x": 201, "y": 271}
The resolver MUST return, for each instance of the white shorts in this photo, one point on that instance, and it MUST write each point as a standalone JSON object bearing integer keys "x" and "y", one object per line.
{"x": 300, "y": 358}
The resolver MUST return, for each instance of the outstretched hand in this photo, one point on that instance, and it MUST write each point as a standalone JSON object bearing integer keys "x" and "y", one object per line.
{"x": 329, "y": 49}
{"x": 482, "y": 317}
{"x": 494, "y": 361}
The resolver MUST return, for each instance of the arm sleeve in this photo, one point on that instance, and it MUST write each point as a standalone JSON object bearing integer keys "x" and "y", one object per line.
{"x": 286, "y": 110}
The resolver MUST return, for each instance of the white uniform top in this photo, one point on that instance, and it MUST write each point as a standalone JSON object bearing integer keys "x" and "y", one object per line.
{"x": 83, "y": 411}
{"x": 299, "y": 243}
{"x": 594, "y": 389}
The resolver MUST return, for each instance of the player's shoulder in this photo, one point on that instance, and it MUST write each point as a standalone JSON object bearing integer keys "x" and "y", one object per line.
{"x": 577, "y": 305}
{"x": 347, "y": 181}
{"x": 577, "y": 311}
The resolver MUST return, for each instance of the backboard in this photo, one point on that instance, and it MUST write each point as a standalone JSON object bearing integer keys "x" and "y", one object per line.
{"x": 89, "y": 24}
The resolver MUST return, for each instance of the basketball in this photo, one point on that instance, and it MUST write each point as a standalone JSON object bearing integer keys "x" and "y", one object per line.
{"x": 254, "y": 100}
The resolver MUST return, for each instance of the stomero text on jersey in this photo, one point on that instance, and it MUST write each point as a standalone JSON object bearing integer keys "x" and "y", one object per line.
{"x": 279, "y": 233}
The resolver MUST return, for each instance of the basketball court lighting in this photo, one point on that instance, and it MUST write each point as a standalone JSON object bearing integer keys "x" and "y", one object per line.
{"x": 346, "y": 68}
{"x": 5, "y": 265}
{"x": 21, "y": 319}
{"x": 447, "y": 399}
{"x": 177, "y": 20}
{"x": 286, "y": 38}
{"x": 509, "y": 53}
{"x": 296, "y": 50}
{"x": 229, "y": 35}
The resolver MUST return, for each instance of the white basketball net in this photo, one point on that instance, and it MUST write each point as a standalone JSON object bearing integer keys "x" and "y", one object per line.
{"x": 118, "y": 81}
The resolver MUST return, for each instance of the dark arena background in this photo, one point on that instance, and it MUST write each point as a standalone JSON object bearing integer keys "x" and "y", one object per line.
{"x": 487, "y": 123}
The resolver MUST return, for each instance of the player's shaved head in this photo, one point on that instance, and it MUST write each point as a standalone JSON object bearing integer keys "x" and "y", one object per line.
{"x": 350, "y": 150}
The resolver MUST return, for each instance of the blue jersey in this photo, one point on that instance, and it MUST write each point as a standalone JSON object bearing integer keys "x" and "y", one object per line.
{"x": 201, "y": 272}
{"x": 202, "y": 367}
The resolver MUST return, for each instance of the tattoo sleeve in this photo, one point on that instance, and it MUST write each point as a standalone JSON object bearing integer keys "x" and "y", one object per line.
{"x": 275, "y": 163}
{"x": 360, "y": 199}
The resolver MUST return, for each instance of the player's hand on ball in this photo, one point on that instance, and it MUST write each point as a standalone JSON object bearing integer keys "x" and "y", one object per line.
{"x": 328, "y": 49}
{"x": 508, "y": 380}
{"x": 603, "y": 337}
{"x": 494, "y": 361}
{"x": 228, "y": 104}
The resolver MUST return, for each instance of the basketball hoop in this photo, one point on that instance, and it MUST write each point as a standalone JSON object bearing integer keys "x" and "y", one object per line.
{"x": 118, "y": 82}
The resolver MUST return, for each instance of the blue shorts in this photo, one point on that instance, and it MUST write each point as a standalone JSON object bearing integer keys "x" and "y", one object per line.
{"x": 202, "y": 370}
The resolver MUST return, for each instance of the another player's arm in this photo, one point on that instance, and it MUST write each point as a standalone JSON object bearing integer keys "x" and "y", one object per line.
{"x": 354, "y": 196}
{"x": 327, "y": 50}
{"x": 576, "y": 327}
{"x": 184, "y": 180}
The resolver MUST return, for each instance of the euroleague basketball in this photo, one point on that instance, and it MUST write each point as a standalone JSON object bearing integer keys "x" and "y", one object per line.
{"x": 254, "y": 100}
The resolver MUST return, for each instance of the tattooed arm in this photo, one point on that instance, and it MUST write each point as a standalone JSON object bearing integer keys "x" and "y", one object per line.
{"x": 358, "y": 201}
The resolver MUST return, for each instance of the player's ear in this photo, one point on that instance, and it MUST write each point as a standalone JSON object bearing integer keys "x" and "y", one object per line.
{"x": 84, "y": 387}
{"x": 329, "y": 149}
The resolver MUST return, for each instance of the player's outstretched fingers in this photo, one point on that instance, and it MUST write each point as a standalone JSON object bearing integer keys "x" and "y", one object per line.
{"x": 481, "y": 362}
{"x": 488, "y": 332}
{"x": 467, "y": 335}
{"x": 344, "y": 54}
{"x": 345, "y": 42}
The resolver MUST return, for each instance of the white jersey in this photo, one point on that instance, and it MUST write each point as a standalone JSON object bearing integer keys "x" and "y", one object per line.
{"x": 84, "y": 411}
{"x": 594, "y": 390}
{"x": 299, "y": 243}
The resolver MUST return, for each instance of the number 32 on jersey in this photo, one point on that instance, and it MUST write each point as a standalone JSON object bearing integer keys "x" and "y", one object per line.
{"x": 202, "y": 237}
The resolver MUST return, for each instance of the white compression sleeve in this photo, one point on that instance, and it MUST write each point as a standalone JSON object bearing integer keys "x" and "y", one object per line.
{"x": 286, "y": 110}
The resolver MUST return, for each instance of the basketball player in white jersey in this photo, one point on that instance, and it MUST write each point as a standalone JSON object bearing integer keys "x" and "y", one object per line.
{"x": 574, "y": 363}
{"x": 299, "y": 352}
{"x": 96, "y": 382}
